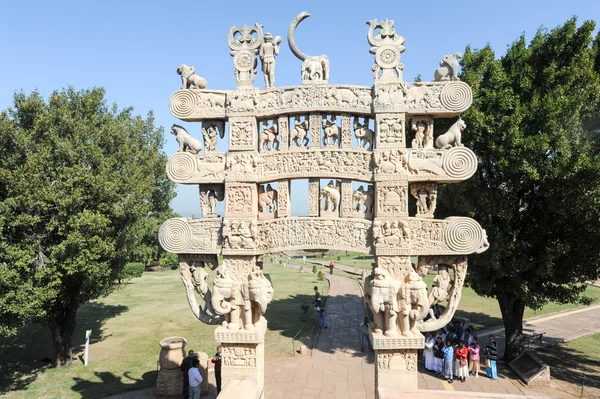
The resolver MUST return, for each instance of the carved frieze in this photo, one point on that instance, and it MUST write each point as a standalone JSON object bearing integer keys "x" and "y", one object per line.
{"x": 314, "y": 233}
{"x": 194, "y": 105}
{"x": 191, "y": 236}
{"x": 283, "y": 198}
{"x": 242, "y": 133}
{"x": 241, "y": 200}
{"x": 314, "y": 188}
{"x": 391, "y": 199}
{"x": 389, "y": 130}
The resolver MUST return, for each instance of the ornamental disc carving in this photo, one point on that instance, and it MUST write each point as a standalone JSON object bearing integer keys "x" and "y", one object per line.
{"x": 459, "y": 163}
{"x": 181, "y": 166}
{"x": 183, "y": 103}
{"x": 175, "y": 235}
{"x": 456, "y": 96}
{"x": 244, "y": 60}
{"x": 387, "y": 56}
{"x": 463, "y": 235}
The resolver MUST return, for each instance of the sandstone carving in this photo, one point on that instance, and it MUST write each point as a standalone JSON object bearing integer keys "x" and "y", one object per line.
{"x": 210, "y": 131}
{"x": 363, "y": 134}
{"x": 331, "y": 132}
{"x": 268, "y": 138}
{"x": 452, "y": 137}
{"x": 185, "y": 141}
{"x": 306, "y": 132}
{"x": 448, "y": 69}
{"x": 314, "y": 68}
{"x": 189, "y": 78}
{"x": 387, "y": 46}
{"x": 267, "y": 51}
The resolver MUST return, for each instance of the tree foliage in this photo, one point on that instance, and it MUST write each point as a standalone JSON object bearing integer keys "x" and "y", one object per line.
{"x": 534, "y": 125}
{"x": 80, "y": 184}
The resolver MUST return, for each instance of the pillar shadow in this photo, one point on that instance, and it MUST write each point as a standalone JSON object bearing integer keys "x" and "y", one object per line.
{"x": 30, "y": 351}
{"x": 113, "y": 384}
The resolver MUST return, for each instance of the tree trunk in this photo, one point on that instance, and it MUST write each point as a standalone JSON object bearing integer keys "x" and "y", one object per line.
{"x": 62, "y": 326}
{"x": 512, "y": 315}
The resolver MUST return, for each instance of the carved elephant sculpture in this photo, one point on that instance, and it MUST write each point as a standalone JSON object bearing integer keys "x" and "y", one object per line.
{"x": 381, "y": 295}
{"x": 419, "y": 301}
{"x": 231, "y": 299}
{"x": 261, "y": 293}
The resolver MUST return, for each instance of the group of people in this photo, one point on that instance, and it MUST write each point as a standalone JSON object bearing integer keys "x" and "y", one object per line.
{"x": 455, "y": 353}
{"x": 192, "y": 377}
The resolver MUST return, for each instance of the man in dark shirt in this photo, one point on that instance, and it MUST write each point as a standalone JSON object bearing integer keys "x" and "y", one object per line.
{"x": 186, "y": 365}
{"x": 217, "y": 362}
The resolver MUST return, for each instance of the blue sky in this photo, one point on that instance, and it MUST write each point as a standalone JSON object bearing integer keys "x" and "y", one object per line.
{"x": 132, "y": 48}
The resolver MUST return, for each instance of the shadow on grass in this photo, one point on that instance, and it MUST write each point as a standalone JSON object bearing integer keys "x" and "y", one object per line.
{"x": 113, "y": 384}
{"x": 571, "y": 365}
{"x": 30, "y": 351}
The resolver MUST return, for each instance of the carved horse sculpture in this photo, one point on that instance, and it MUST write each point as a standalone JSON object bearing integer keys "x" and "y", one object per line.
{"x": 331, "y": 132}
{"x": 299, "y": 134}
{"x": 363, "y": 134}
{"x": 267, "y": 198}
{"x": 268, "y": 138}
{"x": 363, "y": 198}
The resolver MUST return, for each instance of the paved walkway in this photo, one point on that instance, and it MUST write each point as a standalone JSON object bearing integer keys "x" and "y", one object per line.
{"x": 558, "y": 327}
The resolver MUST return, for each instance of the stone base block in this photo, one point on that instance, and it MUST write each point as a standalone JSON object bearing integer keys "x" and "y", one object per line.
{"x": 169, "y": 384}
{"x": 380, "y": 341}
{"x": 256, "y": 335}
{"x": 241, "y": 389}
{"x": 396, "y": 369}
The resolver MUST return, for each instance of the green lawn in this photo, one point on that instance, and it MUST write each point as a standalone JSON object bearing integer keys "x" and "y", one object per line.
{"x": 127, "y": 327}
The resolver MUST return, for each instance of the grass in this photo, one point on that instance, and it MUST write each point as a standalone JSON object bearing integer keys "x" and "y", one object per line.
{"x": 127, "y": 327}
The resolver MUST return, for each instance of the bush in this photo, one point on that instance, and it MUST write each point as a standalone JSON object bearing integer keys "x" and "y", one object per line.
{"x": 339, "y": 258}
{"x": 132, "y": 270}
{"x": 320, "y": 275}
{"x": 315, "y": 269}
{"x": 169, "y": 261}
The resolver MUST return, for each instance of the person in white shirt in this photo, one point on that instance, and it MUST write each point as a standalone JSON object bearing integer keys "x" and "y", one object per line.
{"x": 195, "y": 380}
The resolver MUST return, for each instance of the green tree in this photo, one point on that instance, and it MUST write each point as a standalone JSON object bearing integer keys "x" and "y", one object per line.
{"x": 535, "y": 127}
{"x": 78, "y": 183}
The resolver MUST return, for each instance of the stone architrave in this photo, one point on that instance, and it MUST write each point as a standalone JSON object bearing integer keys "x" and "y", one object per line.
{"x": 314, "y": 188}
{"x": 372, "y": 219}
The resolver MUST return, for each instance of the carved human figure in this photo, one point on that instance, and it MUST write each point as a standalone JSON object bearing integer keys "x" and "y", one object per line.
{"x": 331, "y": 132}
{"x": 185, "y": 140}
{"x": 268, "y": 137}
{"x": 452, "y": 138}
{"x": 419, "y": 129}
{"x": 439, "y": 291}
{"x": 363, "y": 134}
{"x": 189, "y": 78}
{"x": 381, "y": 295}
{"x": 267, "y": 52}
{"x": 448, "y": 69}
{"x": 210, "y": 130}
{"x": 299, "y": 134}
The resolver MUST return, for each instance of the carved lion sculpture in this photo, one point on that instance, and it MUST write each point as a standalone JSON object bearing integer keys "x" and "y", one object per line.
{"x": 452, "y": 136}
{"x": 448, "y": 69}
{"x": 186, "y": 142}
{"x": 189, "y": 77}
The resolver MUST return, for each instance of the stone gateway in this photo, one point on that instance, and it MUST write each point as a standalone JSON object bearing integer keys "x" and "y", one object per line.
{"x": 306, "y": 131}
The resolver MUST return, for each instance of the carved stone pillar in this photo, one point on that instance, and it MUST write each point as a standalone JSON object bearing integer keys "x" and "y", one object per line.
{"x": 243, "y": 132}
{"x": 284, "y": 132}
{"x": 313, "y": 196}
{"x": 284, "y": 205}
{"x": 346, "y": 132}
{"x": 315, "y": 130}
{"x": 346, "y": 205}
{"x": 389, "y": 130}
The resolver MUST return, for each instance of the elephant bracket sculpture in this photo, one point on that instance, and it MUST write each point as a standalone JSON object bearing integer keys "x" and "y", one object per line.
{"x": 381, "y": 295}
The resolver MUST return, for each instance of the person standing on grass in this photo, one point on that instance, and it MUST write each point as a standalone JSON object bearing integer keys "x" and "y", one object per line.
{"x": 195, "y": 379}
{"x": 448, "y": 360}
{"x": 474, "y": 349}
{"x": 428, "y": 352}
{"x": 185, "y": 366}
{"x": 462, "y": 353}
{"x": 331, "y": 266}
{"x": 438, "y": 355}
{"x": 216, "y": 360}
{"x": 491, "y": 354}
{"x": 364, "y": 329}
